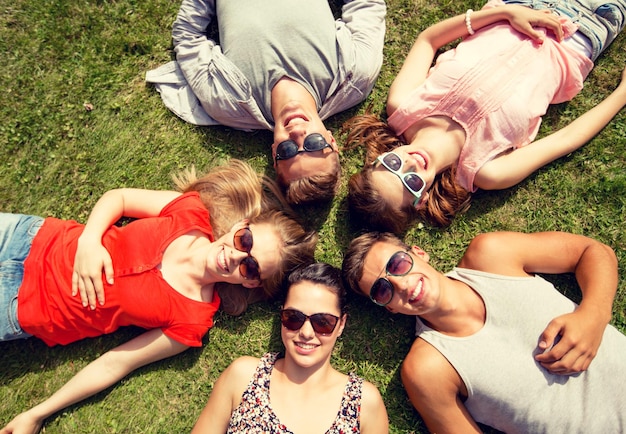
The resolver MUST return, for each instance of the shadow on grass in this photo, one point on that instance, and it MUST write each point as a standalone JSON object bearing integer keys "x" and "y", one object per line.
{"x": 33, "y": 355}
{"x": 226, "y": 142}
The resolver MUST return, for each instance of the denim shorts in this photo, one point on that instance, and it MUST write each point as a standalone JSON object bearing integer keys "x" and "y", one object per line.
{"x": 599, "y": 20}
{"x": 16, "y": 237}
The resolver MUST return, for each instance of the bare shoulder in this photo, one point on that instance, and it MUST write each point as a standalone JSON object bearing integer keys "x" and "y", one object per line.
{"x": 238, "y": 374}
{"x": 373, "y": 413}
{"x": 243, "y": 367}
{"x": 370, "y": 396}
{"x": 497, "y": 252}
{"x": 484, "y": 245}
{"x": 436, "y": 390}
{"x": 426, "y": 371}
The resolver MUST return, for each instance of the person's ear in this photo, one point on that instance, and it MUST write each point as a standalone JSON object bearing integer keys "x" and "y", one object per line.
{"x": 342, "y": 323}
{"x": 420, "y": 253}
{"x": 422, "y": 203}
{"x": 331, "y": 141}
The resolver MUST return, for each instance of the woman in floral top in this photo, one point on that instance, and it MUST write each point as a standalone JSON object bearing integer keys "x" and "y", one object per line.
{"x": 300, "y": 392}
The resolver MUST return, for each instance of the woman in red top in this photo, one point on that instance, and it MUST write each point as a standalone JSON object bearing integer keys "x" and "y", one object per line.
{"x": 161, "y": 272}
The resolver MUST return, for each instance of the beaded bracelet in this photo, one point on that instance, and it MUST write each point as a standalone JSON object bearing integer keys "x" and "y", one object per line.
{"x": 468, "y": 22}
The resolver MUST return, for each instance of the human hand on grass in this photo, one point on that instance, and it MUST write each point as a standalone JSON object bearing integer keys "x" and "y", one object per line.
{"x": 570, "y": 342}
{"x": 91, "y": 260}
{"x": 23, "y": 423}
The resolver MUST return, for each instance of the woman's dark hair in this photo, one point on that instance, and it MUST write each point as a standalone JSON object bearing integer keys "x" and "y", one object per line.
{"x": 370, "y": 209}
{"x": 322, "y": 274}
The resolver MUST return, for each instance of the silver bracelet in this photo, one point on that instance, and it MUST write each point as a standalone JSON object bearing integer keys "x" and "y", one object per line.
{"x": 468, "y": 22}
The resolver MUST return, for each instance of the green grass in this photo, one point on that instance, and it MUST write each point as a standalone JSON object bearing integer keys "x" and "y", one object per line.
{"x": 57, "y": 158}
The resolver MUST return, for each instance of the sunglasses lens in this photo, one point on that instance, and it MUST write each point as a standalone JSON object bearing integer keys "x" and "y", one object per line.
{"x": 392, "y": 161}
{"x": 399, "y": 264}
{"x": 292, "y": 319}
{"x": 381, "y": 292}
{"x": 314, "y": 142}
{"x": 414, "y": 182}
{"x": 286, "y": 150}
{"x": 249, "y": 268}
{"x": 243, "y": 240}
{"x": 323, "y": 323}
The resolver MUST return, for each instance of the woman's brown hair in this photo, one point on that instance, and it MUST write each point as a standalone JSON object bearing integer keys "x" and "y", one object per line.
{"x": 368, "y": 206}
{"x": 233, "y": 192}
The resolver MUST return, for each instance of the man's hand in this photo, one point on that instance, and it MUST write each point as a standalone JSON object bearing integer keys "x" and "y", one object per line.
{"x": 570, "y": 342}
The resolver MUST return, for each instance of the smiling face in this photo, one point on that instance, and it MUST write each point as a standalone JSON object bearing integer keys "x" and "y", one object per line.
{"x": 224, "y": 258}
{"x": 414, "y": 293}
{"x": 389, "y": 184}
{"x": 296, "y": 124}
{"x": 304, "y": 346}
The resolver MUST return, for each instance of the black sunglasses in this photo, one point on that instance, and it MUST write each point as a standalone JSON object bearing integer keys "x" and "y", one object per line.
{"x": 399, "y": 264}
{"x": 248, "y": 267}
{"x": 289, "y": 149}
{"x": 411, "y": 180}
{"x": 322, "y": 323}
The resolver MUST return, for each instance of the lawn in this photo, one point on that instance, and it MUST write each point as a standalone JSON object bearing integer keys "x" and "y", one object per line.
{"x": 79, "y": 120}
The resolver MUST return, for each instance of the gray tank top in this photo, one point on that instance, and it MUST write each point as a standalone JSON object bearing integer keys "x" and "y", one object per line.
{"x": 511, "y": 392}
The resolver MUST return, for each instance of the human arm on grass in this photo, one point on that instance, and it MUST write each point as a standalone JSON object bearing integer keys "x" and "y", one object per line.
{"x": 436, "y": 390}
{"x": 189, "y": 31}
{"x": 421, "y": 56}
{"x": 194, "y": 50}
{"x": 225, "y": 396}
{"x": 91, "y": 257}
{"x": 98, "y": 375}
{"x": 366, "y": 21}
{"x": 511, "y": 168}
{"x": 595, "y": 267}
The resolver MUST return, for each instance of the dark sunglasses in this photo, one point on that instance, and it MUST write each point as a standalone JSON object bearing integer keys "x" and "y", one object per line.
{"x": 399, "y": 264}
{"x": 289, "y": 149}
{"x": 248, "y": 267}
{"x": 322, "y": 323}
{"x": 411, "y": 180}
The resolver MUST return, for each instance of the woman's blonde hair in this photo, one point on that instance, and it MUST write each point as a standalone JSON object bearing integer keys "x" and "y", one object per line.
{"x": 446, "y": 197}
{"x": 233, "y": 192}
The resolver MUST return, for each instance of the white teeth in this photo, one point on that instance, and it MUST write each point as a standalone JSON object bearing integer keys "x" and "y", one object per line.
{"x": 305, "y": 346}
{"x": 422, "y": 161}
{"x": 295, "y": 119}
{"x": 419, "y": 159}
{"x": 417, "y": 291}
{"x": 221, "y": 258}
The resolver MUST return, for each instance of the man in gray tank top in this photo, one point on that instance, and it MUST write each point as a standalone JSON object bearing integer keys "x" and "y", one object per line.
{"x": 280, "y": 65}
{"x": 496, "y": 343}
